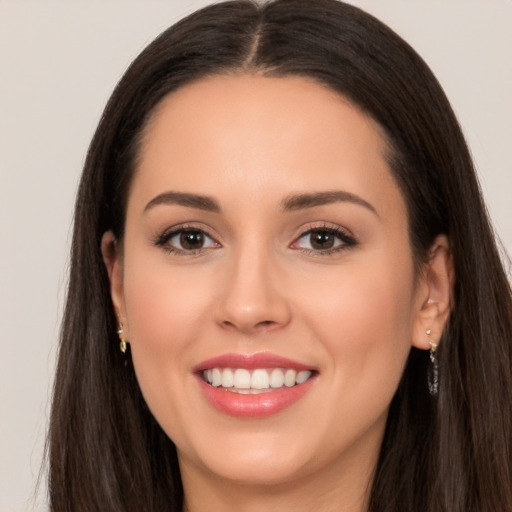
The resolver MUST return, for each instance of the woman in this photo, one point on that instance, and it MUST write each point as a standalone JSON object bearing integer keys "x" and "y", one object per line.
{"x": 280, "y": 220}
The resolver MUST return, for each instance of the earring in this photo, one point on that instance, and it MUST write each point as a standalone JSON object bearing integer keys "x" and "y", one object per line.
{"x": 433, "y": 371}
{"x": 123, "y": 344}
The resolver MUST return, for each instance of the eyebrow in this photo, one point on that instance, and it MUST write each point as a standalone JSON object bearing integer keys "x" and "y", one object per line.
{"x": 197, "y": 201}
{"x": 292, "y": 203}
{"x": 303, "y": 201}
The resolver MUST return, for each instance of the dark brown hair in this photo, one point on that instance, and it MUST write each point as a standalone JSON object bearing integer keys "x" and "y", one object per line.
{"x": 448, "y": 453}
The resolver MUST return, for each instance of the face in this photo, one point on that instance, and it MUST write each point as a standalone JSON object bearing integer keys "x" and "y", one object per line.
{"x": 266, "y": 282}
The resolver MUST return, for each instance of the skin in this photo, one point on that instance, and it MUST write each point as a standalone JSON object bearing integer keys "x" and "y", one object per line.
{"x": 259, "y": 286}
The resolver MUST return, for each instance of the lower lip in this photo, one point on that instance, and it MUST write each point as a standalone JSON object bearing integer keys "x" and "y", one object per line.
{"x": 254, "y": 406}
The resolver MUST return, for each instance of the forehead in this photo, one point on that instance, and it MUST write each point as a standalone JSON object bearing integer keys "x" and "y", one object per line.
{"x": 261, "y": 136}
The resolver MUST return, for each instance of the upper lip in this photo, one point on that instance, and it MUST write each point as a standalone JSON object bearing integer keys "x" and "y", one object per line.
{"x": 250, "y": 362}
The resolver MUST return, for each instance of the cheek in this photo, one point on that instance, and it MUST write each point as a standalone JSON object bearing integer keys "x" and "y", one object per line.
{"x": 364, "y": 316}
{"x": 164, "y": 310}
{"x": 164, "y": 307}
{"x": 363, "y": 320}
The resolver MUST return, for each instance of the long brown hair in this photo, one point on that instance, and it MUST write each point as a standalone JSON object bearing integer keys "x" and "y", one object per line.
{"x": 450, "y": 453}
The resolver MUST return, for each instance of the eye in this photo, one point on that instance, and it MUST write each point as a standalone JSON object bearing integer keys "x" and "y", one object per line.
{"x": 186, "y": 240}
{"x": 323, "y": 240}
{"x": 190, "y": 239}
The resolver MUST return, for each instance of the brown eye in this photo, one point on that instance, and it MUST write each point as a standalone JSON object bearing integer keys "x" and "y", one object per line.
{"x": 324, "y": 241}
{"x": 186, "y": 241}
{"x": 191, "y": 240}
{"x": 321, "y": 239}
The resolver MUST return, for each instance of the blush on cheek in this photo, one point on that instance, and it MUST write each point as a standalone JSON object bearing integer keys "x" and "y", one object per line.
{"x": 366, "y": 322}
{"x": 163, "y": 306}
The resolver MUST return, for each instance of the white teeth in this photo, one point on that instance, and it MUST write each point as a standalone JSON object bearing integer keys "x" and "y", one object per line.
{"x": 227, "y": 378}
{"x": 243, "y": 381}
{"x": 289, "y": 378}
{"x": 216, "y": 377}
{"x": 259, "y": 379}
{"x": 302, "y": 376}
{"x": 276, "y": 378}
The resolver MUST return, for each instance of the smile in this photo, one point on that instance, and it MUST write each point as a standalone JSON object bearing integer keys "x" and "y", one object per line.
{"x": 253, "y": 385}
{"x": 259, "y": 380}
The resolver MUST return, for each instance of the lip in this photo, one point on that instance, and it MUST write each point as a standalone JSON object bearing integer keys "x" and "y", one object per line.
{"x": 251, "y": 362}
{"x": 252, "y": 406}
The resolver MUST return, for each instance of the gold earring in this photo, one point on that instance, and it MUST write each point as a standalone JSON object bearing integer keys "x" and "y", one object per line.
{"x": 433, "y": 371}
{"x": 123, "y": 344}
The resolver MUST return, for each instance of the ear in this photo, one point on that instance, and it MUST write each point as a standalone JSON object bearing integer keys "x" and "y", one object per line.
{"x": 434, "y": 295}
{"x": 113, "y": 260}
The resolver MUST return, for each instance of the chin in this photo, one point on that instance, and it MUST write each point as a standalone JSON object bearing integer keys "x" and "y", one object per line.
{"x": 266, "y": 458}
{"x": 262, "y": 469}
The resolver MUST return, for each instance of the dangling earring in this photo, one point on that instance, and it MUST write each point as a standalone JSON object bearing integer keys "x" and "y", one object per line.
{"x": 433, "y": 371}
{"x": 123, "y": 344}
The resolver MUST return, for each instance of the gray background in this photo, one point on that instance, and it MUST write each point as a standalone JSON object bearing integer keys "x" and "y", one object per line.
{"x": 59, "y": 61}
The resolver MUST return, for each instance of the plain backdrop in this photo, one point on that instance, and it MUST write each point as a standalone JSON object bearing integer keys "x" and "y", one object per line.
{"x": 59, "y": 61}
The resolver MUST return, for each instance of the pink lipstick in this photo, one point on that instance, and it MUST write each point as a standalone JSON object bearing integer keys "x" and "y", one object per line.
{"x": 254, "y": 385}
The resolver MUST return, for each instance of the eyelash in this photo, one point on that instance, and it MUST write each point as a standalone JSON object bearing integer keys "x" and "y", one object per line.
{"x": 347, "y": 240}
{"x": 163, "y": 240}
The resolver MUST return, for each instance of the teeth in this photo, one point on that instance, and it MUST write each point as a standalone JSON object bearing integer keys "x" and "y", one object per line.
{"x": 242, "y": 379}
{"x": 245, "y": 382}
{"x": 276, "y": 378}
{"x": 289, "y": 378}
{"x": 259, "y": 379}
{"x": 228, "y": 378}
{"x": 216, "y": 378}
{"x": 302, "y": 376}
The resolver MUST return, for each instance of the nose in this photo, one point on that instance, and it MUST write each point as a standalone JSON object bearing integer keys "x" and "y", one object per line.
{"x": 252, "y": 295}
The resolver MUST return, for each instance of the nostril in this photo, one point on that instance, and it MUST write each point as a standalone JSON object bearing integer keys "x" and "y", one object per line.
{"x": 251, "y": 313}
{"x": 266, "y": 325}
{"x": 256, "y": 327}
